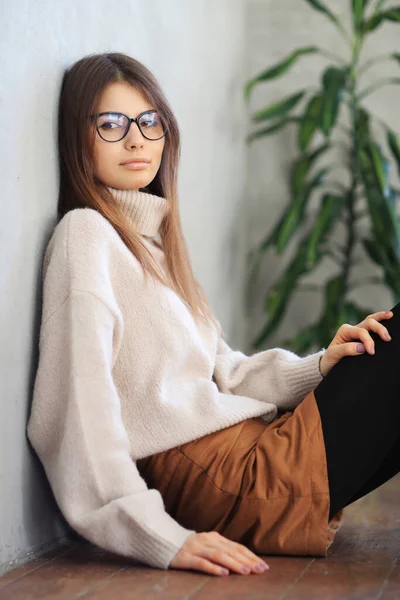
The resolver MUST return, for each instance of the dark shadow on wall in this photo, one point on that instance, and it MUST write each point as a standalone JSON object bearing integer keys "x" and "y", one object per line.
{"x": 42, "y": 518}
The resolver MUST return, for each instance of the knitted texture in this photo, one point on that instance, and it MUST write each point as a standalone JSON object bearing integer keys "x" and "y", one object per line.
{"x": 124, "y": 372}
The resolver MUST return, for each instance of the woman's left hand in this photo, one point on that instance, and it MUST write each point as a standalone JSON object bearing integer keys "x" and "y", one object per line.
{"x": 343, "y": 343}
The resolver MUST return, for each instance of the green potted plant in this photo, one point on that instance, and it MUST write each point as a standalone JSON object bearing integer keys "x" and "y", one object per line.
{"x": 337, "y": 105}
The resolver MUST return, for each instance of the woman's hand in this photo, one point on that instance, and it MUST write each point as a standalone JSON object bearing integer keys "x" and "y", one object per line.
{"x": 343, "y": 344}
{"x": 212, "y": 553}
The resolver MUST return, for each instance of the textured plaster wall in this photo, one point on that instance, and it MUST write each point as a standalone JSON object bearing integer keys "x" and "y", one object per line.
{"x": 196, "y": 49}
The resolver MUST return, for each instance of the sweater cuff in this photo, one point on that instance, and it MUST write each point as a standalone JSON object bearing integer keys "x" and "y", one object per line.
{"x": 161, "y": 541}
{"x": 304, "y": 375}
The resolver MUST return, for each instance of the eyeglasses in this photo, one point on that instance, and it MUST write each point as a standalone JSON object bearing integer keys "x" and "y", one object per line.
{"x": 114, "y": 126}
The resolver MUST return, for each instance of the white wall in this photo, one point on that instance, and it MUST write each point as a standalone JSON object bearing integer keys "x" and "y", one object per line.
{"x": 196, "y": 49}
{"x": 274, "y": 29}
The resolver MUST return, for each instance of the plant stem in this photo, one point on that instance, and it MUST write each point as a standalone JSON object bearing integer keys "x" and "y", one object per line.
{"x": 352, "y": 195}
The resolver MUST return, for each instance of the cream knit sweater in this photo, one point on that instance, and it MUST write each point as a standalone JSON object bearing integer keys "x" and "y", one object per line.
{"x": 124, "y": 372}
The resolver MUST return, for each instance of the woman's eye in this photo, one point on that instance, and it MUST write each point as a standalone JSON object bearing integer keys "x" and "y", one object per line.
{"x": 109, "y": 125}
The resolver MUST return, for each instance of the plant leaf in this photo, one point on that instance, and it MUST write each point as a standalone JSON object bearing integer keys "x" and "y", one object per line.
{"x": 302, "y": 341}
{"x": 256, "y": 255}
{"x": 277, "y": 126}
{"x": 298, "y": 182}
{"x": 333, "y": 300}
{"x": 310, "y": 121}
{"x": 371, "y": 248}
{"x": 380, "y": 167}
{"x": 334, "y": 82}
{"x": 363, "y": 127}
{"x": 269, "y": 328}
{"x": 384, "y": 221}
{"x": 372, "y": 23}
{"x": 392, "y": 14}
{"x": 396, "y": 56}
{"x": 279, "y": 294}
{"x": 321, "y": 7}
{"x": 353, "y": 314}
{"x": 278, "y": 109}
{"x": 384, "y": 257}
{"x": 293, "y": 219}
{"x": 394, "y": 146}
{"x": 331, "y": 207}
{"x": 278, "y": 69}
{"x": 295, "y": 214}
{"x": 302, "y": 166}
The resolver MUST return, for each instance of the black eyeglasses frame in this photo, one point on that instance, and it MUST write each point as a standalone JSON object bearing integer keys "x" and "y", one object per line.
{"x": 130, "y": 121}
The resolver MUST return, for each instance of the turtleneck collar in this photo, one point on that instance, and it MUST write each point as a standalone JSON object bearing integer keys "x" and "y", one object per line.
{"x": 145, "y": 211}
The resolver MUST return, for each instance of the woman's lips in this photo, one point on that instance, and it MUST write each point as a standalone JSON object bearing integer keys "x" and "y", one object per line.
{"x": 135, "y": 166}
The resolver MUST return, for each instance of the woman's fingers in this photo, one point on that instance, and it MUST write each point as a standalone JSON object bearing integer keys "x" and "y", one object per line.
{"x": 240, "y": 553}
{"x": 234, "y": 562}
{"x": 361, "y": 332}
{"x": 211, "y": 553}
{"x": 345, "y": 341}
{"x": 206, "y": 566}
{"x": 248, "y": 558}
{"x": 364, "y": 335}
{"x": 383, "y": 314}
{"x": 243, "y": 554}
{"x": 190, "y": 561}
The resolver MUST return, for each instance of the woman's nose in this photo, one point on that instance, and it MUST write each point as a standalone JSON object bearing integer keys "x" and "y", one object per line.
{"x": 134, "y": 136}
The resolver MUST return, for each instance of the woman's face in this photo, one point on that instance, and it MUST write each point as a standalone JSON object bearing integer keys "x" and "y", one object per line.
{"x": 110, "y": 158}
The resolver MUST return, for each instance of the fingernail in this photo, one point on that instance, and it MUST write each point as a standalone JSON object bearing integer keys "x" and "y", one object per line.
{"x": 245, "y": 570}
{"x": 372, "y": 350}
{"x": 388, "y": 312}
{"x": 265, "y": 565}
{"x": 387, "y": 336}
{"x": 360, "y": 348}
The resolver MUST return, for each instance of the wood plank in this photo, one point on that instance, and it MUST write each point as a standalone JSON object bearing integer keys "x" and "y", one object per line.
{"x": 65, "y": 577}
{"x": 391, "y": 587}
{"x": 363, "y": 554}
{"x": 284, "y": 571}
{"x": 363, "y": 563}
{"x": 33, "y": 564}
{"x": 147, "y": 583}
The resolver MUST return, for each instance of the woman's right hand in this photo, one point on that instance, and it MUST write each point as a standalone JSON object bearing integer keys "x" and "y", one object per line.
{"x": 212, "y": 553}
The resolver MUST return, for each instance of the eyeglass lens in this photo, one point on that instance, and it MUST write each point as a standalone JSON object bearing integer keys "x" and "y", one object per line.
{"x": 112, "y": 127}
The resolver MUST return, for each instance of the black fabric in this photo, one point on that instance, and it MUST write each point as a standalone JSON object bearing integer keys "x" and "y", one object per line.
{"x": 359, "y": 405}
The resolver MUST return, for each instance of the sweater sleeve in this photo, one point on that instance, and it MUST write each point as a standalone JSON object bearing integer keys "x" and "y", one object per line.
{"x": 278, "y": 376}
{"x": 77, "y": 431}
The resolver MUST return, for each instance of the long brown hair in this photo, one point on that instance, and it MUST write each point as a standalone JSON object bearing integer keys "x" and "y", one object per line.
{"x": 82, "y": 88}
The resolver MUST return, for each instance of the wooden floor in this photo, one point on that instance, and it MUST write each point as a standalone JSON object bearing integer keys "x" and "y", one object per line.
{"x": 363, "y": 563}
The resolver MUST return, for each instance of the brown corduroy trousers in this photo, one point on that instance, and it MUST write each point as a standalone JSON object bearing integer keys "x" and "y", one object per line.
{"x": 263, "y": 485}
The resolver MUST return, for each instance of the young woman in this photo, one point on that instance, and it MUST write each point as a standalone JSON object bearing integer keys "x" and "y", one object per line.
{"x": 160, "y": 442}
